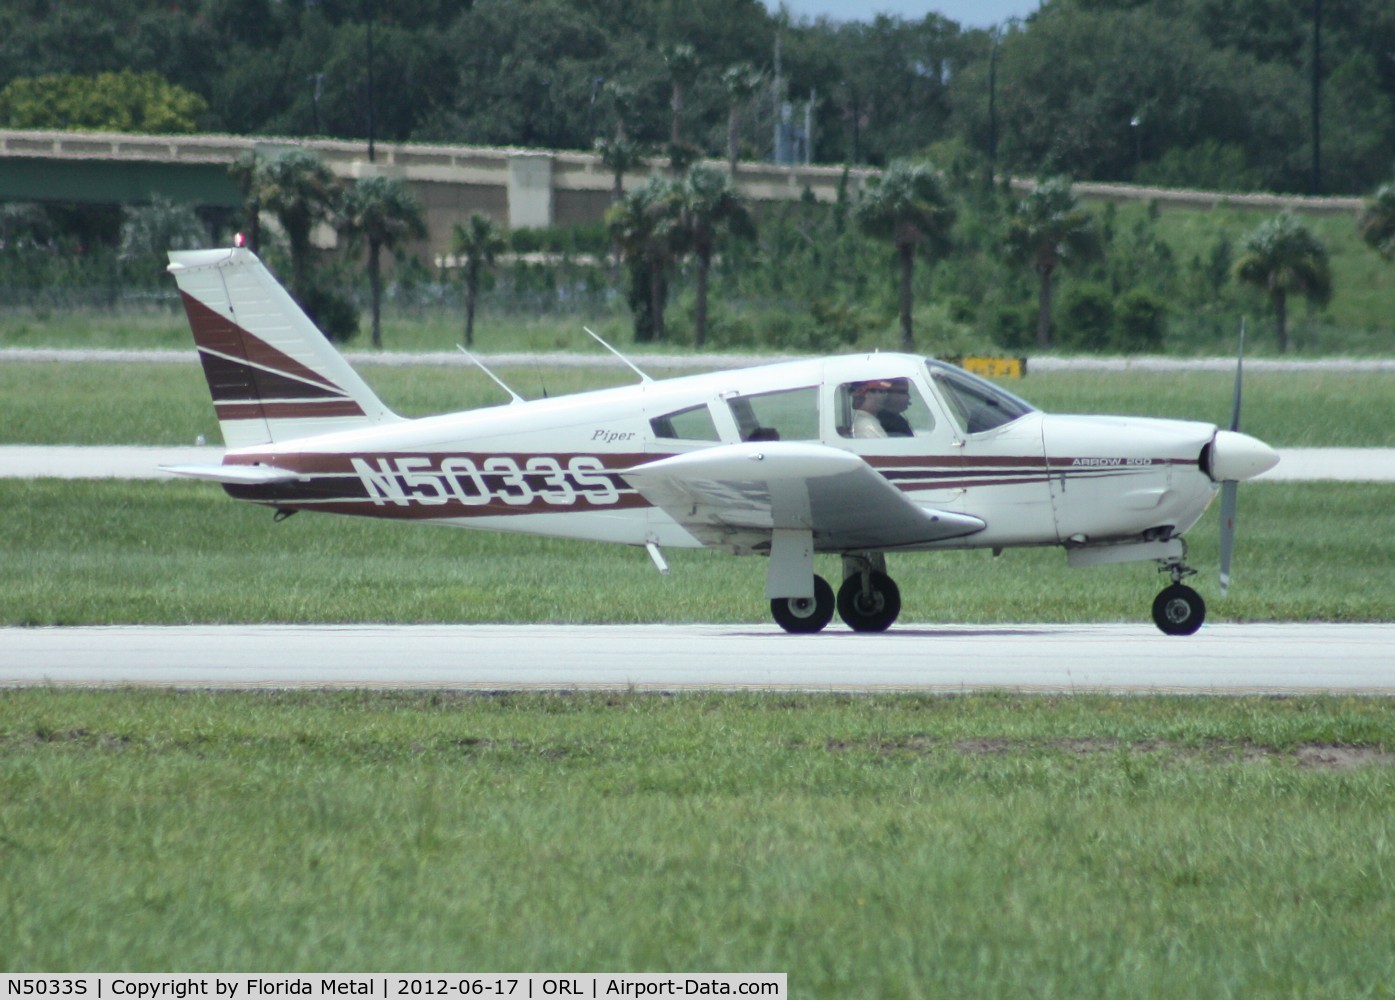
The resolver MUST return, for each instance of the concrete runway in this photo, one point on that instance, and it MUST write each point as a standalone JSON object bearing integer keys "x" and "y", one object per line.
{"x": 1221, "y": 659}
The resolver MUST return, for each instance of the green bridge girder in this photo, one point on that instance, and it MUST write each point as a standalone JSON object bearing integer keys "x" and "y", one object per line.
{"x": 111, "y": 181}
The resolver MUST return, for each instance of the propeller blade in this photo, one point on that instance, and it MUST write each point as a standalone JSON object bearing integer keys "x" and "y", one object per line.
{"x": 1230, "y": 489}
{"x": 1229, "y": 493}
{"x": 1239, "y": 362}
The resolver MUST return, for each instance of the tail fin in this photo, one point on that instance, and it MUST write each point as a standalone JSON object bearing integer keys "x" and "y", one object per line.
{"x": 274, "y": 376}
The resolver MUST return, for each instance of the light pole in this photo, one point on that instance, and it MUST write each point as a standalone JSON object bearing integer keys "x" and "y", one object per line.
{"x": 998, "y": 30}
{"x": 596, "y": 82}
{"x": 1317, "y": 98}
{"x": 318, "y": 80}
{"x": 372, "y": 123}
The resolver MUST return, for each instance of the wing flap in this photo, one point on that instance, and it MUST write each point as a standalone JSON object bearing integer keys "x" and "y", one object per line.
{"x": 760, "y": 487}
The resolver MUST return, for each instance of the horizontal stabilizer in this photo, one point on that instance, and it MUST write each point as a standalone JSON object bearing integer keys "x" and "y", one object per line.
{"x": 235, "y": 475}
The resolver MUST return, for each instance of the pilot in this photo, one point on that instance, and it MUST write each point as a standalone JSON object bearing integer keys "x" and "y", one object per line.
{"x": 868, "y": 399}
{"x": 891, "y": 415}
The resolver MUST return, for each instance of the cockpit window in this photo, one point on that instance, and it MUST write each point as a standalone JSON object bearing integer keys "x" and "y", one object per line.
{"x": 789, "y": 415}
{"x": 977, "y": 405}
{"x": 693, "y": 424}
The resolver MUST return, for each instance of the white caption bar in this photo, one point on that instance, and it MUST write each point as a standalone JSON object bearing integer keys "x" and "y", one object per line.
{"x": 523, "y": 986}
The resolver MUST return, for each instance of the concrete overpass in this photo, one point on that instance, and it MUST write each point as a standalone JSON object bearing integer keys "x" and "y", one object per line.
{"x": 516, "y": 187}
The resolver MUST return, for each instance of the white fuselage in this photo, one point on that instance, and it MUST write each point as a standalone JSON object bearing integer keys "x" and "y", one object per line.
{"x": 556, "y": 466}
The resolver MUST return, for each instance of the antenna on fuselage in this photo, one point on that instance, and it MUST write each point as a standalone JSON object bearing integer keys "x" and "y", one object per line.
{"x": 633, "y": 367}
{"x": 497, "y": 380}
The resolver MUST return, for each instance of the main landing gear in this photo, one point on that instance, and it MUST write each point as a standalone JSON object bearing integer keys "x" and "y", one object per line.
{"x": 1178, "y": 610}
{"x": 805, "y": 614}
{"x": 868, "y": 600}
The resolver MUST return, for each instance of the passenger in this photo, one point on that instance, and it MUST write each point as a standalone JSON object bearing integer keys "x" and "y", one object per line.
{"x": 898, "y": 400}
{"x": 868, "y": 399}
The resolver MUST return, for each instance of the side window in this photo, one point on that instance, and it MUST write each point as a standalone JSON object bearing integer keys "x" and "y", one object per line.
{"x": 789, "y": 415}
{"x": 883, "y": 408}
{"x": 693, "y": 424}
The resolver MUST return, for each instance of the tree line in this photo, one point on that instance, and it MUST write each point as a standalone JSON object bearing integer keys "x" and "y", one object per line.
{"x": 1219, "y": 94}
{"x": 948, "y": 259}
{"x": 933, "y": 233}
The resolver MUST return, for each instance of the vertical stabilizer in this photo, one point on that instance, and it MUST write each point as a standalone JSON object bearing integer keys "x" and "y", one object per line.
{"x": 273, "y": 375}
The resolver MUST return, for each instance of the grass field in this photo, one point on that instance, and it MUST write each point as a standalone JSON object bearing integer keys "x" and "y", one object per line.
{"x": 882, "y": 846}
{"x": 976, "y": 846}
{"x": 168, "y": 404}
{"x": 171, "y": 552}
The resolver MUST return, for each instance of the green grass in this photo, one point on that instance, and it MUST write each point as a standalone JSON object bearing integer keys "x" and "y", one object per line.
{"x": 168, "y": 404}
{"x": 100, "y": 552}
{"x": 168, "y": 329}
{"x": 1359, "y": 316}
{"x": 887, "y": 846}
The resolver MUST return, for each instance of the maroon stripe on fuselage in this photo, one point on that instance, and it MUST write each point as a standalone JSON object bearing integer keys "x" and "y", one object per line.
{"x": 312, "y": 463}
{"x": 425, "y": 512}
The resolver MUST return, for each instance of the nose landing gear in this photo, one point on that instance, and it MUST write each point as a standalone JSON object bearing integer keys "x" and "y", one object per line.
{"x": 1178, "y": 610}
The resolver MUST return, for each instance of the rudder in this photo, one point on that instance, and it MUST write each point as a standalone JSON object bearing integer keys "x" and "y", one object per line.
{"x": 273, "y": 375}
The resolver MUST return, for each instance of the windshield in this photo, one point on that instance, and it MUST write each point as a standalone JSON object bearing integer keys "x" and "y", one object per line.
{"x": 976, "y": 404}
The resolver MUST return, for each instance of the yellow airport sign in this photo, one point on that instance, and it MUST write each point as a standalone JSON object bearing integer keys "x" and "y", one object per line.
{"x": 992, "y": 367}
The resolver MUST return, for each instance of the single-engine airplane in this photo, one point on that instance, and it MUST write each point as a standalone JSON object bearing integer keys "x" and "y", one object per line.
{"x": 861, "y": 456}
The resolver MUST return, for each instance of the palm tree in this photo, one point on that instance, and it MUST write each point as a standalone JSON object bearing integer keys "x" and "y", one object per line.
{"x": 710, "y": 208}
{"x": 909, "y": 207}
{"x": 1281, "y": 257}
{"x": 299, "y": 189}
{"x": 644, "y": 226}
{"x": 742, "y": 83}
{"x": 478, "y": 243}
{"x": 1377, "y": 222}
{"x": 383, "y": 212}
{"x": 624, "y": 97}
{"x": 620, "y": 156}
{"x": 1048, "y": 228}
{"x": 682, "y": 62}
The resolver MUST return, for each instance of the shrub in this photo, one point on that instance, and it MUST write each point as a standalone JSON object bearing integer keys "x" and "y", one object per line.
{"x": 333, "y": 312}
{"x": 1013, "y": 327}
{"x": 1087, "y": 317}
{"x": 1140, "y": 322}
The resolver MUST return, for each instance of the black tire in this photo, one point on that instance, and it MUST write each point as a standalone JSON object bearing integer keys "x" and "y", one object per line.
{"x": 874, "y": 610}
{"x": 1179, "y": 610}
{"x": 795, "y": 614}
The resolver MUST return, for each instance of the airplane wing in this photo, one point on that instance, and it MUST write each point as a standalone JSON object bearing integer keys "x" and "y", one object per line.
{"x": 761, "y": 486}
{"x": 236, "y": 475}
